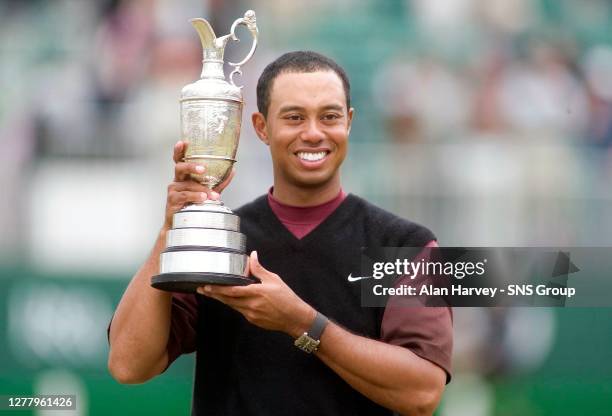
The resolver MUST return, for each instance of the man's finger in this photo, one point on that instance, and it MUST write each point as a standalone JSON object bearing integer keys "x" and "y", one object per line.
{"x": 179, "y": 151}
{"x": 226, "y": 291}
{"x": 183, "y": 170}
{"x": 183, "y": 198}
{"x": 190, "y": 186}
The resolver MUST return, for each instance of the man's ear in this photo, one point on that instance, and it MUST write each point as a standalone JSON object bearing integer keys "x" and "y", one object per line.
{"x": 350, "y": 114}
{"x": 259, "y": 124}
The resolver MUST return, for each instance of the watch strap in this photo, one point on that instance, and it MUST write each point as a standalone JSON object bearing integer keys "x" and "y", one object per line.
{"x": 317, "y": 327}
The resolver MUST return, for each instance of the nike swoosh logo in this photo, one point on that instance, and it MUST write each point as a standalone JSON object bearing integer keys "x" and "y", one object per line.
{"x": 356, "y": 278}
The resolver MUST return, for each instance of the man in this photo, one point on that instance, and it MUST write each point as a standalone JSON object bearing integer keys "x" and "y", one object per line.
{"x": 307, "y": 234}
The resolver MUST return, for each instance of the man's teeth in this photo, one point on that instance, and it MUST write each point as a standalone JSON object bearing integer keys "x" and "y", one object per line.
{"x": 311, "y": 157}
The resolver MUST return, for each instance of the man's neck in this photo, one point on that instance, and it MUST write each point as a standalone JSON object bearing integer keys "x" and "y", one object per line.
{"x": 306, "y": 197}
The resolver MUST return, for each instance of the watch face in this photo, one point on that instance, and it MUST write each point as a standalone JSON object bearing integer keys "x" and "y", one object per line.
{"x": 306, "y": 343}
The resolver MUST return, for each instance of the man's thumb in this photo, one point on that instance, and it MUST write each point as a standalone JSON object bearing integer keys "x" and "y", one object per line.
{"x": 255, "y": 267}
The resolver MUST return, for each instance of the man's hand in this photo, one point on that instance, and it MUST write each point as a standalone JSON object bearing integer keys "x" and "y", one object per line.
{"x": 270, "y": 305}
{"x": 184, "y": 190}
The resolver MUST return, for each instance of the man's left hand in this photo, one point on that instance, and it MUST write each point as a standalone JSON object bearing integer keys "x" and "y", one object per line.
{"x": 270, "y": 305}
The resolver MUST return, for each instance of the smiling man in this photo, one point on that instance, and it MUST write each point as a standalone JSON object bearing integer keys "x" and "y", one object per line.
{"x": 299, "y": 342}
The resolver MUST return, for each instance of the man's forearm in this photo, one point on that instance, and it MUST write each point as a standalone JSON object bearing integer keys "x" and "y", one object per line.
{"x": 390, "y": 375}
{"x": 141, "y": 325}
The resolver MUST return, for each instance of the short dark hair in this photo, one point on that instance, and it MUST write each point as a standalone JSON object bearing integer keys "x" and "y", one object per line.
{"x": 298, "y": 61}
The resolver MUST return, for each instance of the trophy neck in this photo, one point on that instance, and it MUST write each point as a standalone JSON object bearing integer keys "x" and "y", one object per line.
{"x": 212, "y": 69}
{"x": 212, "y": 62}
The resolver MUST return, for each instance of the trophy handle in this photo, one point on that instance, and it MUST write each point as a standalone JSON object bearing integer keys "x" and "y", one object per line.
{"x": 250, "y": 22}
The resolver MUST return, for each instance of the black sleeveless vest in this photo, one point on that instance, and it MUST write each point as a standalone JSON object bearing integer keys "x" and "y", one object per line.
{"x": 243, "y": 370}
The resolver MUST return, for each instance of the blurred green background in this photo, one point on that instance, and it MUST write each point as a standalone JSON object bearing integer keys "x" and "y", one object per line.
{"x": 490, "y": 121}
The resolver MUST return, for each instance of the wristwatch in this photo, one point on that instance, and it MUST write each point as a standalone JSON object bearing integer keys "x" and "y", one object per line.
{"x": 309, "y": 341}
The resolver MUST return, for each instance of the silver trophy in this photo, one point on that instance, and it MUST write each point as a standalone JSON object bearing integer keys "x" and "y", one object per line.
{"x": 205, "y": 245}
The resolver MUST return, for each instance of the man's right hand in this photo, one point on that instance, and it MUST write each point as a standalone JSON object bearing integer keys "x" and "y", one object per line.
{"x": 184, "y": 190}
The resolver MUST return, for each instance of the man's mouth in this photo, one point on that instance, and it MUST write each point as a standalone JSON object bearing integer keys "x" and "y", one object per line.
{"x": 312, "y": 156}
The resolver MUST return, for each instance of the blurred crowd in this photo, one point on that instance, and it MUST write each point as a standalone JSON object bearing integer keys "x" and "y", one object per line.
{"x": 544, "y": 93}
{"x": 83, "y": 78}
{"x": 523, "y": 76}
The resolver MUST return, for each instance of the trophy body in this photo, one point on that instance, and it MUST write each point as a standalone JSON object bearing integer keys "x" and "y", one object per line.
{"x": 205, "y": 245}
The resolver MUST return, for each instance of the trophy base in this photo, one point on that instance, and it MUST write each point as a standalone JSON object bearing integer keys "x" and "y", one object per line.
{"x": 189, "y": 282}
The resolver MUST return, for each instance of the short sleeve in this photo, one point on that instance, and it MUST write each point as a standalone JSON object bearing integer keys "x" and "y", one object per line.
{"x": 426, "y": 331}
{"x": 184, "y": 320}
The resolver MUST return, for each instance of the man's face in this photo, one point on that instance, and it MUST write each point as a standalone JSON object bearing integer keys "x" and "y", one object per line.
{"x": 307, "y": 128}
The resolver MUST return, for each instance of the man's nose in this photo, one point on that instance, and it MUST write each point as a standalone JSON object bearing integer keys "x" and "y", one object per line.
{"x": 313, "y": 132}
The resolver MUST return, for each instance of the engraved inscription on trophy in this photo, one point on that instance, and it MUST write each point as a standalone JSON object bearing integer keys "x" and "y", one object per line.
{"x": 212, "y": 130}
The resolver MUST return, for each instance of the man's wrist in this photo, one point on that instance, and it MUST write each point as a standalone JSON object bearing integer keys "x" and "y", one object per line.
{"x": 305, "y": 318}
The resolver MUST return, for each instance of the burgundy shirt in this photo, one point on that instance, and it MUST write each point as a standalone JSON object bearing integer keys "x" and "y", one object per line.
{"x": 426, "y": 331}
{"x": 302, "y": 220}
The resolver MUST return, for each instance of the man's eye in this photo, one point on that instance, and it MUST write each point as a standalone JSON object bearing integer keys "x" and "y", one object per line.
{"x": 294, "y": 117}
{"x": 331, "y": 116}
